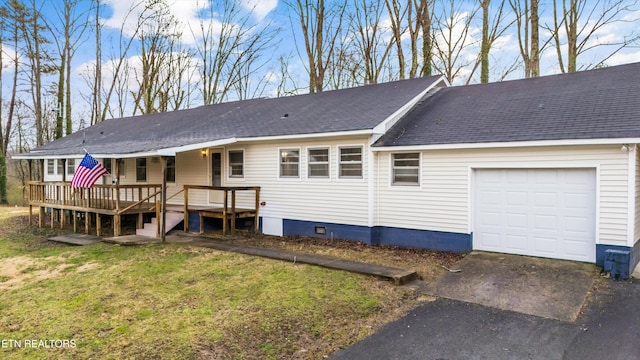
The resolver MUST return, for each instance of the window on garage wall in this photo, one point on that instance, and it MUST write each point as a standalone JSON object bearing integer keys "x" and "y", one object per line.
{"x": 406, "y": 169}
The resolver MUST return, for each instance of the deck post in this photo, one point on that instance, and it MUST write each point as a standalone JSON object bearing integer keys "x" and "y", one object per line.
{"x": 256, "y": 221}
{"x": 163, "y": 228}
{"x": 30, "y": 213}
{"x": 116, "y": 225}
{"x": 87, "y": 222}
{"x": 157, "y": 217}
{"x": 186, "y": 208}
{"x": 233, "y": 212}
{"x": 75, "y": 221}
{"x": 224, "y": 213}
{"x": 41, "y": 217}
{"x": 99, "y": 225}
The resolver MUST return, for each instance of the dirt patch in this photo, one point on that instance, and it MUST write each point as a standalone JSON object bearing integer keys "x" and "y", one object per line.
{"x": 428, "y": 263}
{"x": 19, "y": 271}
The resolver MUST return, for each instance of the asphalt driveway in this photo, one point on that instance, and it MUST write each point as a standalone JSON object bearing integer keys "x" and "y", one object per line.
{"x": 607, "y": 327}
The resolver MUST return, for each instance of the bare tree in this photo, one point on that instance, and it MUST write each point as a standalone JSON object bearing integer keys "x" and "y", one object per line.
{"x": 412, "y": 19}
{"x": 368, "y": 41}
{"x": 231, "y": 50}
{"x": 491, "y": 31}
{"x": 322, "y": 28}
{"x": 72, "y": 25}
{"x": 579, "y": 22}
{"x": 528, "y": 31}
{"x": 163, "y": 64}
{"x": 452, "y": 40}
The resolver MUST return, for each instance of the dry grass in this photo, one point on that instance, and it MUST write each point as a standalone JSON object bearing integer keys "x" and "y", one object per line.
{"x": 181, "y": 302}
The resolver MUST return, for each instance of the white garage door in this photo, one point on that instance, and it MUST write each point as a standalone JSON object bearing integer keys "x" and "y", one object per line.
{"x": 537, "y": 212}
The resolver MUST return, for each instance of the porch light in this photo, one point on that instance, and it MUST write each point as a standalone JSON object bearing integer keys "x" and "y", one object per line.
{"x": 203, "y": 152}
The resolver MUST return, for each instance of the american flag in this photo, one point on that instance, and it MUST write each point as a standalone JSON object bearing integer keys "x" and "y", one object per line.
{"x": 87, "y": 173}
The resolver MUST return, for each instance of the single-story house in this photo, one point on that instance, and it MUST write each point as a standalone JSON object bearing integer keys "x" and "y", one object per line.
{"x": 546, "y": 167}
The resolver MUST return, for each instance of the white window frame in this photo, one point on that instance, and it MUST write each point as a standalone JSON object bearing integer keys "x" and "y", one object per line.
{"x": 51, "y": 167}
{"x": 327, "y": 163}
{"x": 71, "y": 166}
{"x": 175, "y": 173}
{"x": 339, "y": 162}
{"x": 230, "y": 164}
{"x": 146, "y": 169}
{"x": 392, "y": 170}
{"x": 289, "y": 177}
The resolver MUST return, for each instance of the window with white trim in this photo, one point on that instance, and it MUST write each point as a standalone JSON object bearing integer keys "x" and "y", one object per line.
{"x": 289, "y": 163}
{"x": 236, "y": 163}
{"x": 141, "y": 169}
{"x": 406, "y": 169}
{"x": 318, "y": 163}
{"x": 171, "y": 169}
{"x": 71, "y": 166}
{"x": 350, "y": 163}
{"x": 59, "y": 167}
{"x": 51, "y": 166}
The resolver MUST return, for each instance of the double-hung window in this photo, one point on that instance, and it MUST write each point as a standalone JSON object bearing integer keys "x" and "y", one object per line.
{"x": 318, "y": 163}
{"x": 141, "y": 169}
{"x": 71, "y": 166}
{"x": 289, "y": 163}
{"x": 171, "y": 169}
{"x": 236, "y": 163}
{"x": 350, "y": 165}
{"x": 51, "y": 164}
{"x": 406, "y": 169}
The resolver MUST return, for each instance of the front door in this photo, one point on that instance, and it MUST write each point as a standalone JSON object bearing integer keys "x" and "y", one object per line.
{"x": 216, "y": 177}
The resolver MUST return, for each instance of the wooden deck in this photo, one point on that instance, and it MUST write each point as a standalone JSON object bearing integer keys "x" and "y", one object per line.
{"x": 228, "y": 211}
{"x": 117, "y": 201}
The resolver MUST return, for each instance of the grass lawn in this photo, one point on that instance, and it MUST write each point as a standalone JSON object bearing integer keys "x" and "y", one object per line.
{"x": 175, "y": 301}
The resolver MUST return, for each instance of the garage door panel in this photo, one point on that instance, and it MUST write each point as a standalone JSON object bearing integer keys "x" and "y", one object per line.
{"x": 538, "y": 212}
{"x": 577, "y": 201}
{"x": 545, "y": 245}
{"x": 517, "y": 198}
{"x": 516, "y": 242}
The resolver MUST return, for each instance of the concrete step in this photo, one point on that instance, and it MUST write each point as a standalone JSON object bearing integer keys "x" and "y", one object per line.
{"x": 146, "y": 232}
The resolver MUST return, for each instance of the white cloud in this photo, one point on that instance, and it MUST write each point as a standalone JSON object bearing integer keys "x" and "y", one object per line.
{"x": 8, "y": 54}
{"x": 259, "y": 8}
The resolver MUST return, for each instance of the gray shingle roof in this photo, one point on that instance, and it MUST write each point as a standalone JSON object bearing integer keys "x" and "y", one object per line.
{"x": 359, "y": 108}
{"x": 596, "y": 104}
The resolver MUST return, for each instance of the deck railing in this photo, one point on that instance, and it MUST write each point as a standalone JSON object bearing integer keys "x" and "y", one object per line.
{"x": 101, "y": 198}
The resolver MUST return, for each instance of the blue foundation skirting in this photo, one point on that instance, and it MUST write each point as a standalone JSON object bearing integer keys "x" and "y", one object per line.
{"x": 381, "y": 235}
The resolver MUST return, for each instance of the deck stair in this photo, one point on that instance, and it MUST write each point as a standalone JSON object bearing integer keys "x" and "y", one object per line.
{"x": 150, "y": 229}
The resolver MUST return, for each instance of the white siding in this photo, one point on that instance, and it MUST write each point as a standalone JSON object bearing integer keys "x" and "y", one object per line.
{"x": 335, "y": 200}
{"x": 442, "y": 201}
{"x": 343, "y": 201}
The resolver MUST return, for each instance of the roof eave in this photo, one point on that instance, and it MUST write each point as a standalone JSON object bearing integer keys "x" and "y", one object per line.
{"x": 512, "y": 144}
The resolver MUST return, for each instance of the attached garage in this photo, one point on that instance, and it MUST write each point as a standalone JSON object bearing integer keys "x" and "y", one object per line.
{"x": 537, "y": 212}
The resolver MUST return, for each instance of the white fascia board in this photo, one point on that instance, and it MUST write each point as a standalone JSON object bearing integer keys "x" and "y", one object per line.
{"x": 365, "y": 132}
{"x": 392, "y": 119}
{"x": 205, "y": 145}
{"x": 490, "y": 145}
